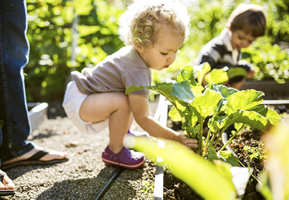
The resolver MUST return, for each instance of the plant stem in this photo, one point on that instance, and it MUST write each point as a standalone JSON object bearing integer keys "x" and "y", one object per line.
{"x": 214, "y": 136}
{"x": 230, "y": 140}
{"x": 200, "y": 143}
{"x": 251, "y": 174}
{"x": 218, "y": 138}
{"x": 207, "y": 141}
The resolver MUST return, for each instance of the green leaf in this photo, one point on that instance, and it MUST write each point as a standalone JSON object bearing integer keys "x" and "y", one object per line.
{"x": 225, "y": 91}
{"x": 255, "y": 120}
{"x": 273, "y": 117}
{"x": 276, "y": 178}
{"x": 212, "y": 154}
{"x": 245, "y": 99}
{"x": 237, "y": 71}
{"x": 87, "y": 30}
{"x": 217, "y": 76}
{"x": 197, "y": 89}
{"x": 206, "y": 104}
{"x": 216, "y": 123}
{"x": 203, "y": 70}
{"x": 183, "y": 91}
{"x": 224, "y": 169}
{"x": 133, "y": 88}
{"x": 164, "y": 89}
{"x": 174, "y": 115}
{"x": 265, "y": 188}
{"x": 230, "y": 158}
{"x": 187, "y": 74}
{"x": 82, "y": 7}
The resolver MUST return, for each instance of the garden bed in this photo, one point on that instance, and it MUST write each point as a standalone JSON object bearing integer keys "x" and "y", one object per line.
{"x": 175, "y": 188}
{"x": 271, "y": 88}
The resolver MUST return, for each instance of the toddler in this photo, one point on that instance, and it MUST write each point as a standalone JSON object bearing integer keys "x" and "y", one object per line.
{"x": 153, "y": 32}
{"x": 244, "y": 26}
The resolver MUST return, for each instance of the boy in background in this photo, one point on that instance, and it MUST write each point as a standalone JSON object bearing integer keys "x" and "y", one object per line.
{"x": 245, "y": 25}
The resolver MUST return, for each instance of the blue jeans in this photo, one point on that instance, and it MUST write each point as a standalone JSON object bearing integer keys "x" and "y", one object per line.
{"x": 14, "y": 50}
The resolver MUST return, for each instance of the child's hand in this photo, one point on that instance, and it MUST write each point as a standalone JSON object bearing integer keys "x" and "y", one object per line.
{"x": 191, "y": 143}
{"x": 251, "y": 73}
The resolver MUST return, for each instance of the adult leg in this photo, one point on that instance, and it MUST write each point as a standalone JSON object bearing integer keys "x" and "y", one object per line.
{"x": 13, "y": 57}
{"x": 113, "y": 106}
{"x": 14, "y": 51}
{"x": 6, "y": 184}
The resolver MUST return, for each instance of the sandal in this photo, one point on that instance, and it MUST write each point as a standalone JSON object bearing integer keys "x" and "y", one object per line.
{"x": 125, "y": 158}
{"x": 5, "y": 192}
{"x": 34, "y": 160}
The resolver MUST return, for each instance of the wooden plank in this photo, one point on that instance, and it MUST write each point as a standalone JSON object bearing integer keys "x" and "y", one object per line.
{"x": 275, "y": 102}
{"x": 161, "y": 114}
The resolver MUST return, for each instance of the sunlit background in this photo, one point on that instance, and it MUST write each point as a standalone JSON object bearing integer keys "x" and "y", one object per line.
{"x": 71, "y": 35}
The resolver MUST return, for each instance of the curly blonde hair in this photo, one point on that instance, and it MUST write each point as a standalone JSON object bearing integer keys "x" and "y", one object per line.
{"x": 144, "y": 19}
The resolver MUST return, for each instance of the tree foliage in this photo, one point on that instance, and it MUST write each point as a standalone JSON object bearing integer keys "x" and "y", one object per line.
{"x": 50, "y": 34}
{"x": 70, "y": 35}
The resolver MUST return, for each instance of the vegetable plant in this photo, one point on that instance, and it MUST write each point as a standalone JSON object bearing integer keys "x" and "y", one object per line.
{"x": 256, "y": 152}
{"x": 219, "y": 180}
{"x": 223, "y": 106}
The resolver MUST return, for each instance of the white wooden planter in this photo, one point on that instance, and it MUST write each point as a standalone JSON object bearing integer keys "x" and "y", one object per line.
{"x": 37, "y": 114}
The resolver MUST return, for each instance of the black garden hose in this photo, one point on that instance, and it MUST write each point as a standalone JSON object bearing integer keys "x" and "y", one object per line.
{"x": 104, "y": 188}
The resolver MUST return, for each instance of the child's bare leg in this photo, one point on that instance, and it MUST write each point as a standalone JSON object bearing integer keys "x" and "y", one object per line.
{"x": 118, "y": 126}
{"x": 131, "y": 121}
{"x": 113, "y": 106}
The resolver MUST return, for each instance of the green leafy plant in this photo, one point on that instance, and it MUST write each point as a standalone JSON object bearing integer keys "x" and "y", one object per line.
{"x": 147, "y": 186}
{"x": 256, "y": 152}
{"x": 193, "y": 104}
{"x": 269, "y": 60}
{"x": 219, "y": 180}
{"x": 65, "y": 36}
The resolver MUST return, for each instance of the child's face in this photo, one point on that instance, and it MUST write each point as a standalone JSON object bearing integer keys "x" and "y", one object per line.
{"x": 241, "y": 40}
{"x": 163, "y": 53}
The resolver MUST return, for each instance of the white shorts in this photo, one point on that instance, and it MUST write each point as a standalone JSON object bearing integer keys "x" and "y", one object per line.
{"x": 73, "y": 99}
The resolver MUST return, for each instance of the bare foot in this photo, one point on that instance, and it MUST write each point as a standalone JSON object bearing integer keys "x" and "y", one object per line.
{"x": 7, "y": 183}
{"x": 50, "y": 156}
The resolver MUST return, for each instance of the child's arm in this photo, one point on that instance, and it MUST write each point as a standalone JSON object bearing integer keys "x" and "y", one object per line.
{"x": 141, "y": 111}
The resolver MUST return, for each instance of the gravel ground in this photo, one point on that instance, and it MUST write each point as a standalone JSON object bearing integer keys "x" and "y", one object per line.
{"x": 83, "y": 175}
